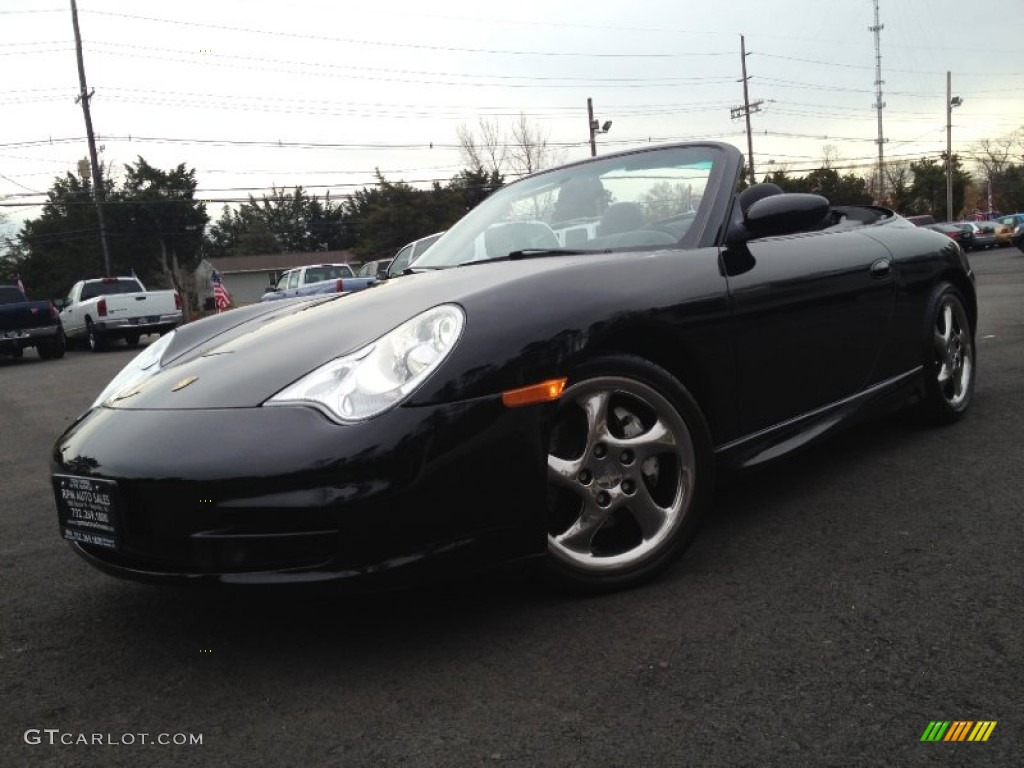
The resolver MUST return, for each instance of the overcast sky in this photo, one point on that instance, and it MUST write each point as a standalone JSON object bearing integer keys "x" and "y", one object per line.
{"x": 249, "y": 92}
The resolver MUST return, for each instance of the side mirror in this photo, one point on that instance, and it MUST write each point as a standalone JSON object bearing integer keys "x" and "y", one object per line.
{"x": 784, "y": 214}
{"x": 60, "y": 303}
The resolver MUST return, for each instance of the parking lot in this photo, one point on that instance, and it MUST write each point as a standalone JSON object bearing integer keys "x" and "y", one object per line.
{"x": 833, "y": 606}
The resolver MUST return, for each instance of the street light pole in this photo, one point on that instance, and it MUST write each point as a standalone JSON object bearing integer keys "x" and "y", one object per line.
{"x": 951, "y": 101}
{"x": 591, "y": 122}
{"x": 595, "y": 127}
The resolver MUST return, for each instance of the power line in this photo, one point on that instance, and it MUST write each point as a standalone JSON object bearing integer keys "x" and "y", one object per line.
{"x": 15, "y": 183}
{"x": 317, "y": 71}
{"x": 414, "y": 46}
{"x": 867, "y": 67}
{"x": 358, "y": 68}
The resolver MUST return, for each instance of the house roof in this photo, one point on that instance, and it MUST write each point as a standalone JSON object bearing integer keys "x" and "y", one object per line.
{"x": 275, "y": 262}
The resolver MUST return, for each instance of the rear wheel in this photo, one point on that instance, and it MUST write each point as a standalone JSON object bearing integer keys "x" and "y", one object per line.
{"x": 132, "y": 340}
{"x": 55, "y": 348}
{"x": 949, "y": 365}
{"x": 95, "y": 340}
{"x": 629, "y": 474}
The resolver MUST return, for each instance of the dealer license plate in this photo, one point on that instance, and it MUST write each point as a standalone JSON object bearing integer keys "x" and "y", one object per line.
{"x": 88, "y": 511}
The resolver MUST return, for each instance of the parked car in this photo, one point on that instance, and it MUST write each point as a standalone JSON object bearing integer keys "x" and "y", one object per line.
{"x": 409, "y": 253}
{"x": 100, "y": 310}
{"x": 1013, "y": 220}
{"x": 980, "y": 238}
{"x": 376, "y": 268}
{"x": 1015, "y": 223}
{"x": 316, "y": 280}
{"x": 965, "y": 237}
{"x": 1003, "y": 233}
{"x": 25, "y": 324}
{"x": 569, "y": 405}
{"x": 922, "y": 220}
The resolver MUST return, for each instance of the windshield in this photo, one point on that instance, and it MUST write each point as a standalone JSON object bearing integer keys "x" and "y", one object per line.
{"x": 10, "y": 295}
{"x": 639, "y": 201}
{"x": 327, "y": 272}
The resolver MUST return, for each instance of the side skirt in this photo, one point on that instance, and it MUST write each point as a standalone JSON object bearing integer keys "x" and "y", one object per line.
{"x": 794, "y": 434}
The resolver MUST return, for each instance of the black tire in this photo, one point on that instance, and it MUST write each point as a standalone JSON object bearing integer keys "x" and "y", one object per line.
{"x": 94, "y": 339}
{"x": 630, "y": 474}
{"x": 132, "y": 340}
{"x": 16, "y": 353}
{"x": 54, "y": 350}
{"x": 950, "y": 357}
{"x": 60, "y": 344}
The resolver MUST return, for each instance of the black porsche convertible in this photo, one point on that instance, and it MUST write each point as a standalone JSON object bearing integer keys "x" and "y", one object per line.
{"x": 560, "y": 377}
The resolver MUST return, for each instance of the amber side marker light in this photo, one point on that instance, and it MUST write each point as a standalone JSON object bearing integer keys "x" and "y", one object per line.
{"x": 544, "y": 392}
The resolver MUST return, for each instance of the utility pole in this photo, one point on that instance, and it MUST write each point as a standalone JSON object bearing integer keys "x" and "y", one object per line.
{"x": 951, "y": 101}
{"x": 746, "y": 110}
{"x": 595, "y": 127}
{"x": 879, "y": 104}
{"x": 590, "y": 124}
{"x": 97, "y": 173}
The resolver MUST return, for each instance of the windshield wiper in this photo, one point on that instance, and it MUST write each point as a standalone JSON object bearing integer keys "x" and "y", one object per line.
{"x": 527, "y": 253}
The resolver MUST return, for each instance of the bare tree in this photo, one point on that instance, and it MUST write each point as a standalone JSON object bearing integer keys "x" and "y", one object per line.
{"x": 996, "y": 170}
{"x": 484, "y": 148}
{"x": 530, "y": 149}
{"x": 898, "y": 180}
{"x": 993, "y": 155}
{"x": 525, "y": 148}
{"x": 829, "y": 156}
{"x": 666, "y": 199}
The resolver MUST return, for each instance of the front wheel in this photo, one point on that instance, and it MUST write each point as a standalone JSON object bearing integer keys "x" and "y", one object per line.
{"x": 629, "y": 474}
{"x": 949, "y": 364}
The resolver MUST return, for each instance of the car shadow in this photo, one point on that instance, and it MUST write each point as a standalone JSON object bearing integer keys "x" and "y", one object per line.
{"x": 314, "y": 623}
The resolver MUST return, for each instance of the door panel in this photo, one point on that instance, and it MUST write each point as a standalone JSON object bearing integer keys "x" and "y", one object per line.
{"x": 811, "y": 314}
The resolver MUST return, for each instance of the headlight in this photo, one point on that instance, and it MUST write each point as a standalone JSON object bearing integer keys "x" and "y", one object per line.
{"x": 379, "y": 376}
{"x": 142, "y": 366}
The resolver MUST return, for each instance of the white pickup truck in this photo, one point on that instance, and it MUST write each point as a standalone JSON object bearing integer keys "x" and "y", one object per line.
{"x": 100, "y": 310}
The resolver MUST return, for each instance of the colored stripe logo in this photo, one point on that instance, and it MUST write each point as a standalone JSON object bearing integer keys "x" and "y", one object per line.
{"x": 958, "y": 730}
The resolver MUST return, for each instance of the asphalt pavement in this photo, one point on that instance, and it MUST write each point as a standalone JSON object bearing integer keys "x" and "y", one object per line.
{"x": 833, "y": 606}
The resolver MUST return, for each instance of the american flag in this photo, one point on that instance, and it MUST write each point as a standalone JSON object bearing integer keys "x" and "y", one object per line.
{"x": 220, "y": 293}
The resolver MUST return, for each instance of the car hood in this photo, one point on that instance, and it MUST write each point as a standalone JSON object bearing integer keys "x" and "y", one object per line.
{"x": 240, "y": 358}
{"x": 524, "y": 318}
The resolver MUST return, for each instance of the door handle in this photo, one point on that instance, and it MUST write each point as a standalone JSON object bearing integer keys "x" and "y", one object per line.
{"x": 881, "y": 269}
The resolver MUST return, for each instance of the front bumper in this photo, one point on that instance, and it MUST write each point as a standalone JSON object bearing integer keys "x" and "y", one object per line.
{"x": 283, "y": 494}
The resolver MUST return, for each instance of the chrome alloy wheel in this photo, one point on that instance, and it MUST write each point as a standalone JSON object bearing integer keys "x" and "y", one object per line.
{"x": 621, "y": 472}
{"x": 954, "y": 350}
